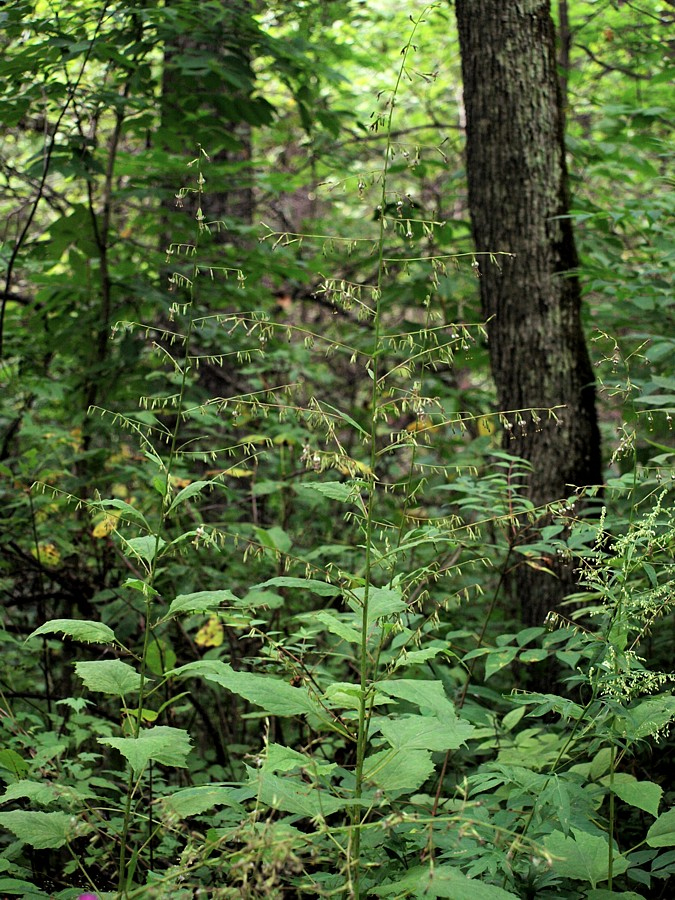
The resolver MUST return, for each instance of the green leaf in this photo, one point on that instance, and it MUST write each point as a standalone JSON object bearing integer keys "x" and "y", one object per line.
{"x": 398, "y": 770}
{"x": 200, "y": 601}
{"x": 293, "y": 795}
{"x": 662, "y": 832}
{"x": 601, "y": 763}
{"x": 441, "y": 881}
{"x": 160, "y": 656}
{"x": 498, "y": 659}
{"x": 582, "y": 856}
{"x": 40, "y": 793}
{"x": 346, "y": 418}
{"x": 334, "y": 623}
{"x": 21, "y": 888}
{"x": 274, "y": 539}
{"x": 144, "y": 548}
{"x": 641, "y": 794}
{"x": 108, "y": 676}
{"x": 127, "y": 512}
{"x": 285, "y": 759}
{"x": 334, "y": 490}
{"x": 40, "y": 830}
{"x": 648, "y": 717}
{"x": 163, "y": 744}
{"x": 79, "y": 630}
{"x": 381, "y": 602}
{"x": 188, "y": 492}
{"x": 427, "y": 695}
{"x": 603, "y": 894}
{"x": 320, "y": 588}
{"x": 194, "y": 801}
{"x": 417, "y": 657}
{"x": 343, "y": 695}
{"x": 424, "y": 732}
{"x": 275, "y": 696}
{"x": 10, "y": 760}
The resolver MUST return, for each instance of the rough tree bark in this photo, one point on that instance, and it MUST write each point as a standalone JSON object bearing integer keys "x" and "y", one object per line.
{"x": 518, "y": 196}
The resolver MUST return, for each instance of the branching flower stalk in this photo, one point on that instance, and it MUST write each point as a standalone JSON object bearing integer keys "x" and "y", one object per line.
{"x": 184, "y": 365}
{"x": 373, "y": 369}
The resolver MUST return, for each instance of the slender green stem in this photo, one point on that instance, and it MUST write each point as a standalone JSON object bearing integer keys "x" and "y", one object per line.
{"x": 610, "y": 829}
{"x": 149, "y": 594}
{"x": 373, "y": 369}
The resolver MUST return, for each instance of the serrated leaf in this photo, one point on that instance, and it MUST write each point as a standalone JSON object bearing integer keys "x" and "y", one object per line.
{"x": 144, "y": 548}
{"x": 381, "y": 602}
{"x": 108, "y": 676}
{"x": 662, "y": 832}
{"x": 343, "y": 695}
{"x": 40, "y": 830}
{"x": 441, "y": 881}
{"x": 40, "y": 793}
{"x": 582, "y": 856}
{"x": 23, "y": 889}
{"x": 320, "y": 588}
{"x": 427, "y": 695}
{"x": 641, "y": 794}
{"x": 200, "y": 601}
{"x": 194, "y": 801}
{"x": 603, "y": 894}
{"x": 275, "y": 696}
{"x": 648, "y": 717}
{"x": 334, "y": 490}
{"x": 10, "y": 760}
{"x": 127, "y": 512}
{"x": 285, "y": 759}
{"x": 162, "y": 744}
{"x": 78, "y": 630}
{"x": 196, "y": 487}
{"x": 294, "y": 795}
{"x": 424, "y": 732}
{"x": 334, "y": 623}
{"x": 397, "y": 770}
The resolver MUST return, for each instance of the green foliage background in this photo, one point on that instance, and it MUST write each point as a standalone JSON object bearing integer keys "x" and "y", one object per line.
{"x": 257, "y": 525}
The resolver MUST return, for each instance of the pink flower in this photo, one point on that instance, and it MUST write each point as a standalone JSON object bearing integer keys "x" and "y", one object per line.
{"x": 88, "y": 897}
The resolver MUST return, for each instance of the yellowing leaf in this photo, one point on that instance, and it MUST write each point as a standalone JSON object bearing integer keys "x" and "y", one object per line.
{"x": 104, "y": 527}
{"x": 76, "y": 435}
{"x": 486, "y": 426}
{"x": 423, "y": 423}
{"x": 236, "y": 472}
{"x": 47, "y": 554}
{"x": 177, "y": 482}
{"x": 353, "y": 467}
{"x": 211, "y": 634}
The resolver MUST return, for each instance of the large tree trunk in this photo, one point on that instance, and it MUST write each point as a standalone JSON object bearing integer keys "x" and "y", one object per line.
{"x": 518, "y": 197}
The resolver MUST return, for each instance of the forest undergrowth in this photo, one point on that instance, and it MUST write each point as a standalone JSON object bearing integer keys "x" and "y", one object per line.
{"x": 301, "y": 673}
